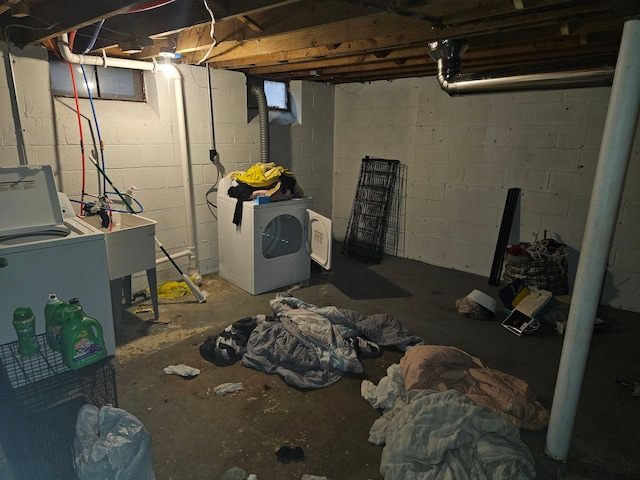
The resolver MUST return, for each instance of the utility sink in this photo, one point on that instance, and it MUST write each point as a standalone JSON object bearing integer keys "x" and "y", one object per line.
{"x": 130, "y": 243}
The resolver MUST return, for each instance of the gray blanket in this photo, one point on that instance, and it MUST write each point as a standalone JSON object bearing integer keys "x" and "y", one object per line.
{"x": 309, "y": 347}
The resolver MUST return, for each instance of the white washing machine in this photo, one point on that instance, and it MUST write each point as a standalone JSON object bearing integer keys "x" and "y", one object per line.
{"x": 45, "y": 249}
{"x": 274, "y": 244}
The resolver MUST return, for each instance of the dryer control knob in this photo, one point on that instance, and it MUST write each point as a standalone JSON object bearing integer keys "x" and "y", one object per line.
{"x": 4, "y": 262}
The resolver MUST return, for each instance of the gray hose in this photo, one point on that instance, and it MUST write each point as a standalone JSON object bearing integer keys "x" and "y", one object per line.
{"x": 263, "y": 117}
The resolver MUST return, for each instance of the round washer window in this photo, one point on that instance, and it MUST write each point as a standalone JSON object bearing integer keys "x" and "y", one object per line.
{"x": 282, "y": 236}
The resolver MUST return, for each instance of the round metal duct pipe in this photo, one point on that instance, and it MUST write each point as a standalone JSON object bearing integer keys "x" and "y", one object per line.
{"x": 447, "y": 54}
{"x": 263, "y": 117}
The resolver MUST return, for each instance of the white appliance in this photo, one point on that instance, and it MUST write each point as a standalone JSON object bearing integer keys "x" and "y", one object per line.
{"x": 274, "y": 244}
{"x": 45, "y": 249}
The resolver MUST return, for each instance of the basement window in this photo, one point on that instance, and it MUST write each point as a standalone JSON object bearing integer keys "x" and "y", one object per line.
{"x": 103, "y": 83}
{"x": 278, "y": 95}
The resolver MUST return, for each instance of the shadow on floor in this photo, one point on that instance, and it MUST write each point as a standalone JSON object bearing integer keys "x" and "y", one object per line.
{"x": 358, "y": 280}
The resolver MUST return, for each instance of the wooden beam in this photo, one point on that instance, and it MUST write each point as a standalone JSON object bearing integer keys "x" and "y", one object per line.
{"x": 283, "y": 48}
{"x": 298, "y": 17}
{"x": 250, "y": 23}
{"x": 56, "y": 16}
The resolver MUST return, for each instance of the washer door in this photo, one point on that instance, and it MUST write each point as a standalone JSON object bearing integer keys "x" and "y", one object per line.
{"x": 282, "y": 236}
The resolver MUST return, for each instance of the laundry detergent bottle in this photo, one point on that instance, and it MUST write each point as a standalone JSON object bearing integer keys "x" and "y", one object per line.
{"x": 53, "y": 319}
{"x": 25, "y": 324}
{"x": 82, "y": 342}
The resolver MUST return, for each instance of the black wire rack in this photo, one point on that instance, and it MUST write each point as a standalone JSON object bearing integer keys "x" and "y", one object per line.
{"x": 366, "y": 236}
{"x": 41, "y": 400}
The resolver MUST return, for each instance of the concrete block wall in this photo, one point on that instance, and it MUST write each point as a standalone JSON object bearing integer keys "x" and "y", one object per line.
{"x": 142, "y": 146}
{"x": 462, "y": 156}
{"x": 306, "y": 147}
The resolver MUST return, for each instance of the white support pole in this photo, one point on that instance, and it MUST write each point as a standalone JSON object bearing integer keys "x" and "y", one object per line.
{"x": 613, "y": 160}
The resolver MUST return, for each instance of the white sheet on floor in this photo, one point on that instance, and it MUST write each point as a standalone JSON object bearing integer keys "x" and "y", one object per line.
{"x": 445, "y": 435}
{"x": 442, "y": 435}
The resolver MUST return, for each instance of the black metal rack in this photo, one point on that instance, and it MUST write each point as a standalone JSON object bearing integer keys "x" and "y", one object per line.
{"x": 372, "y": 206}
{"x": 41, "y": 399}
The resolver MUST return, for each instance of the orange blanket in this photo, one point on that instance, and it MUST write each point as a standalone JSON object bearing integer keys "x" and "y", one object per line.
{"x": 443, "y": 368}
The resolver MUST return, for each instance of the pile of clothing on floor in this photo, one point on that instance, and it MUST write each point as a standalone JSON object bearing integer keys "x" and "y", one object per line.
{"x": 444, "y": 413}
{"x": 308, "y": 346}
{"x": 262, "y": 180}
{"x": 467, "y": 417}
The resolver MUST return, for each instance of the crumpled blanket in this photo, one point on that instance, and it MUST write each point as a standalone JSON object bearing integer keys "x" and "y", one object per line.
{"x": 308, "y": 345}
{"x": 442, "y": 368}
{"x": 442, "y": 435}
{"x": 446, "y": 436}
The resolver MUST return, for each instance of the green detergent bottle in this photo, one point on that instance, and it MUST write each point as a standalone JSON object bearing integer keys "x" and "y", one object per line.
{"x": 82, "y": 342}
{"x": 53, "y": 319}
{"x": 25, "y": 324}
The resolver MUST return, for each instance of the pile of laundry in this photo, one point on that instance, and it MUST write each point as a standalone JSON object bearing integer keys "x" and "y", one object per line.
{"x": 262, "y": 180}
{"x": 467, "y": 417}
{"x": 308, "y": 346}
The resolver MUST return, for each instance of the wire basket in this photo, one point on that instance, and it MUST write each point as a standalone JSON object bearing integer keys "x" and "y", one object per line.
{"x": 366, "y": 236}
{"x": 43, "y": 398}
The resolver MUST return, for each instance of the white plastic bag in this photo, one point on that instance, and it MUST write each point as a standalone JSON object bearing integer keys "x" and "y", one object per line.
{"x": 111, "y": 444}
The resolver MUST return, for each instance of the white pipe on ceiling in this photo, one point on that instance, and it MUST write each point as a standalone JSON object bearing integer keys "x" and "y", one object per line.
{"x": 613, "y": 161}
{"x": 104, "y": 61}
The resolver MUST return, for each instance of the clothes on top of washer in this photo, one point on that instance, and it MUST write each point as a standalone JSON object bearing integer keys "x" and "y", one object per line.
{"x": 284, "y": 186}
{"x": 260, "y": 174}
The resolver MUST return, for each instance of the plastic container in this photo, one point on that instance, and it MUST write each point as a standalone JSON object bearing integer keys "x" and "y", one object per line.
{"x": 25, "y": 324}
{"x": 82, "y": 341}
{"x": 53, "y": 319}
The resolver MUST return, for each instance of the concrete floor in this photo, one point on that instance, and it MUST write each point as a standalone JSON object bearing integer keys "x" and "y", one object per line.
{"x": 197, "y": 434}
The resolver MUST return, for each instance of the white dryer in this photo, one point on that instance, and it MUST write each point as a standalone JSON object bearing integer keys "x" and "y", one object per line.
{"x": 274, "y": 244}
{"x": 44, "y": 249}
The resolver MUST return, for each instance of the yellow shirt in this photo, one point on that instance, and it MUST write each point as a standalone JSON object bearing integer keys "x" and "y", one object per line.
{"x": 260, "y": 174}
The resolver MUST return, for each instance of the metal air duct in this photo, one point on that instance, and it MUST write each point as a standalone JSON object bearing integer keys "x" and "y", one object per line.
{"x": 263, "y": 117}
{"x": 447, "y": 54}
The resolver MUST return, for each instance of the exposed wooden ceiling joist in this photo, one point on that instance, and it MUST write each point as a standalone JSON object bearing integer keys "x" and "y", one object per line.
{"x": 337, "y": 40}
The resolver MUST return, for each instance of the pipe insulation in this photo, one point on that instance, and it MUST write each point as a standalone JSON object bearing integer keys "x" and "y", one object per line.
{"x": 104, "y": 61}
{"x": 615, "y": 150}
{"x": 263, "y": 117}
{"x": 447, "y": 54}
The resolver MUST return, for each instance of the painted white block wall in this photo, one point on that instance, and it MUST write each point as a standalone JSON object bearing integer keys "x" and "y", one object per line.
{"x": 142, "y": 145}
{"x": 464, "y": 153}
